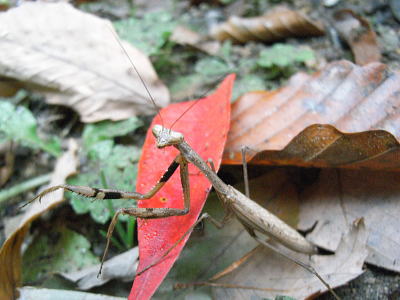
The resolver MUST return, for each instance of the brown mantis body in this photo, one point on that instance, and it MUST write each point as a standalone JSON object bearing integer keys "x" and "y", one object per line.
{"x": 254, "y": 217}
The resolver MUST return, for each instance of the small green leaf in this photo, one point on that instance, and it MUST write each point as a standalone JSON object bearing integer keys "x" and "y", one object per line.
{"x": 226, "y": 2}
{"x": 226, "y": 51}
{"x": 100, "y": 150}
{"x": 148, "y": 34}
{"x": 284, "y": 298}
{"x": 185, "y": 83}
{"x": 104, "y": 130}
{"x": 212, "y": 66}
{"x": 283, "y": 55}
{"x": 247, "y": 84}
{"x": 17, "y": 123}
{"x": 61, "y": 250}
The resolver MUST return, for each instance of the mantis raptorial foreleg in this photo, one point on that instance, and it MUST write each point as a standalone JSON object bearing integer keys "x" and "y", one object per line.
{"x": 144, "y": 213}
{"x": 108, "y": 194}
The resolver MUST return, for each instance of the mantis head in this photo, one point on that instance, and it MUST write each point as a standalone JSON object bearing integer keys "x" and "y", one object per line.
{"x": 166, "y": 137}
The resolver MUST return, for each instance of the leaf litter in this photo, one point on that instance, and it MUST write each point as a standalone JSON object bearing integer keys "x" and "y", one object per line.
{"x": 350, "y": 194}
{"x": 268, "y": 269}
{"x": 346, "y": 211}
{"x": 357, "y": 32}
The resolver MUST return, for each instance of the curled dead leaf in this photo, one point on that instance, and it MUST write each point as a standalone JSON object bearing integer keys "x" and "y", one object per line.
{"x": 10, "y": 252}
{"x": 274, "y": 25}
{"x": 357, "y": 32}
{"x": 325, "y": 146}
{"x": 349, "y": 97}
{"x": 80, "y": 65}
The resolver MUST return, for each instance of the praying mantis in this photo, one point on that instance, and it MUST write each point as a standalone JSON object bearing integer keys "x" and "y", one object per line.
{"x": 252, "y": 216}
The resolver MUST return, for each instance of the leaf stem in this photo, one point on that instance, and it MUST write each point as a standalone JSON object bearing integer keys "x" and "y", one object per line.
{"x": 130, "y": 227}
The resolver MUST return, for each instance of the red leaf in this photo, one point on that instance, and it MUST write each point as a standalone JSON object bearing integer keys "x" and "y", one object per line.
{"x": 205, "y": 127}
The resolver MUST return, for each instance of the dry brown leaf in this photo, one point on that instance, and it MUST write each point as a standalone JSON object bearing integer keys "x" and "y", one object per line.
{"x": 186, "y": 37}
{"x": 357, "y": 32}
{"x": 274, "y": 25}
{"x": 339, "y": 196}
{"x": 8, "y": 87}
{"x": 267, "y": 269}
{"x": 121, "y": 267}
{"x": 74, "y": 58}
{"x": 10, "y": 252}
{"x": 324, "y": 146}
{"x": 347, "y": 96}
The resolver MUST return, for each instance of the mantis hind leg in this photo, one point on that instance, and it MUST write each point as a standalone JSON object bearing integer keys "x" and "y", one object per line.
{"x": 204, "y": 216}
